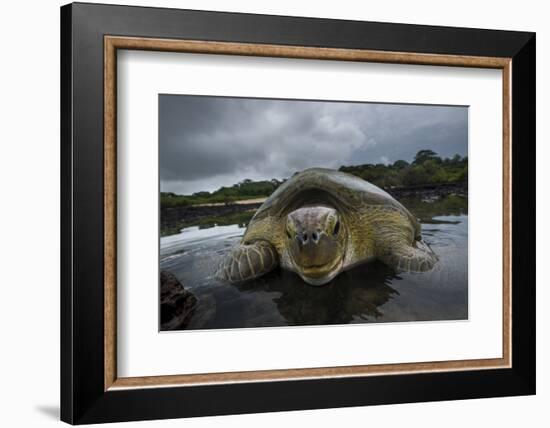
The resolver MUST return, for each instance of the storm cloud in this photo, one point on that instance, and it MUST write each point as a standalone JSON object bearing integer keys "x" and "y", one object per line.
{"x": 209, "y": 142}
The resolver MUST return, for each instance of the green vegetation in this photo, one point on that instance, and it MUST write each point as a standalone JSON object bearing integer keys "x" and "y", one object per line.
{"x": 426, "y": 168}
{"x": 246, "y": 189}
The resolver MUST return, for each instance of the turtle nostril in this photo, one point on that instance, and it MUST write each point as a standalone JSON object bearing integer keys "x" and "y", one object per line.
{"x": 314, "y": 236}
{"x": 304, "y": 237}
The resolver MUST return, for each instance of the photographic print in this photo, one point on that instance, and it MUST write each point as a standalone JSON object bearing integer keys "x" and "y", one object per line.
{"x": 280, "y": 212}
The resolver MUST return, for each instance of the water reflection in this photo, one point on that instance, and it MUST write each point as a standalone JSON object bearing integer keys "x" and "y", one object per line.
{"x": 353, "y": 296}
{"x": 367, "y": 293}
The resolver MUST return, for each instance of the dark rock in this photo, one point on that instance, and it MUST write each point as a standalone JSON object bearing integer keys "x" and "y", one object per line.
{"x": 430, "y": 191}
{"x": 172, "y": 216}
{"x": 176, "y": 304}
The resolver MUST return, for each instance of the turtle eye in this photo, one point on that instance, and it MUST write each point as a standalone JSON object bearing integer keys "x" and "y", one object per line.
{"x": 336, "y": 228}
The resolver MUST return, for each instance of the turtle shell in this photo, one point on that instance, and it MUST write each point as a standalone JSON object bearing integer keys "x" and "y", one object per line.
{"x": 343, "y": 191}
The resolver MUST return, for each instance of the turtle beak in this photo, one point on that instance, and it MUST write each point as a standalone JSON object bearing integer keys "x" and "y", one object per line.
{"x": 314, "y": 243}
{"x": 314, "y": 249}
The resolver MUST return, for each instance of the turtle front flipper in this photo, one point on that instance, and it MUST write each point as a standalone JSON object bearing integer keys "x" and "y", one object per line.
{"x": 417, "y": 257}
{"x": 248, "y": 261}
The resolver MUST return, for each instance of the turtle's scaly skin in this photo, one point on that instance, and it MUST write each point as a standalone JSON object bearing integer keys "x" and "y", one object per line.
{"x": 372, "y": 225}
{"x": 245, "y": 262}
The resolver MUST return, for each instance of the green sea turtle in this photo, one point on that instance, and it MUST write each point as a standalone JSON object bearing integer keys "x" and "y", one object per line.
{"x": 321, "y": 222}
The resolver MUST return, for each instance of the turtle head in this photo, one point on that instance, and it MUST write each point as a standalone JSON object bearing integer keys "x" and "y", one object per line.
{"x": 316, "y": 243}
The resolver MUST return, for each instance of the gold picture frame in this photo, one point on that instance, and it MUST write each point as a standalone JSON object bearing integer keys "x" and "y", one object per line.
{"x": 114, "y": 43}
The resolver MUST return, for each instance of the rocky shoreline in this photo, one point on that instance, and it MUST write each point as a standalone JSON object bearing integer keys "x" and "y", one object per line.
{"x": 191, "y": 213}
{"x": 430, "y": 191}
{"x": 177, "y": 218}
{"x": 174, "y": 217}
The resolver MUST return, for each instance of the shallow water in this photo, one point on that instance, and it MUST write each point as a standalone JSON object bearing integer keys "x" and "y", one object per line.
{"x": 367, "y": 293}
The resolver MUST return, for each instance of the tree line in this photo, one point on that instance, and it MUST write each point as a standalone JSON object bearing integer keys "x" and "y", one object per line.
{"x": 426, "y": 168}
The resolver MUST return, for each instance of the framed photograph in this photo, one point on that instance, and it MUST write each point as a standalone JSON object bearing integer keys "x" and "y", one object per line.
{"x": 266, "y": 213}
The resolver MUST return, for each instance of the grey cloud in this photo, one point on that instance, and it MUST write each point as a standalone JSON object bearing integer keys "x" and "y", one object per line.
{"x": 208, "y": 142}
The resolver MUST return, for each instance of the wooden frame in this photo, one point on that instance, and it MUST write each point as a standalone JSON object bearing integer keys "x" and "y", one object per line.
{"x": 112, "y": 43}
{"x": 515, "y": 63}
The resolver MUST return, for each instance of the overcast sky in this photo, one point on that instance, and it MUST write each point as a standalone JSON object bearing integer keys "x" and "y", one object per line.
{"x": 209, "y": 142}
